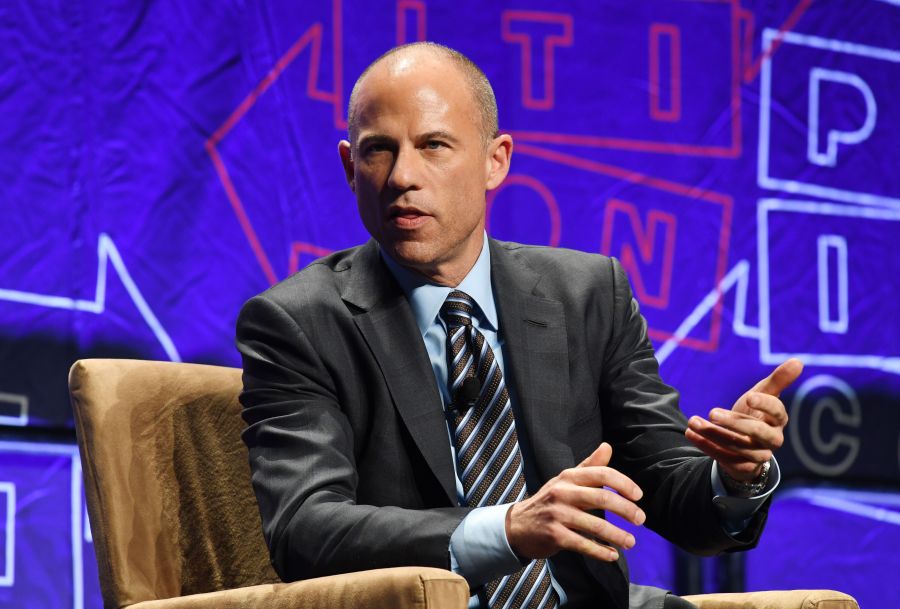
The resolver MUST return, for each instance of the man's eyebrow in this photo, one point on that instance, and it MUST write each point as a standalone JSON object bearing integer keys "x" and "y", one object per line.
{"x": 373, "y": 138}
{"x": 438, "y": 135}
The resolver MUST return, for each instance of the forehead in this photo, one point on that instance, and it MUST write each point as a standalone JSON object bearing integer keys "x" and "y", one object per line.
{"x": 415, "y": 92}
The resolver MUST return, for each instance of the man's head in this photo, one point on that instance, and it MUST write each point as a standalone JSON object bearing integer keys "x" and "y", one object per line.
{"x": 479, "y": 86}
{"x": 423, "y": 151}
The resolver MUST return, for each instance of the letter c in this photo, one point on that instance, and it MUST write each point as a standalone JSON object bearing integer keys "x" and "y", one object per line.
{"x": 844, "y": 407}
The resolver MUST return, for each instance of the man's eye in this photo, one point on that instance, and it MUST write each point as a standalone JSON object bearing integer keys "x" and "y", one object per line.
{"x": 374, "y": 148}
{"x": 434, "y": 144}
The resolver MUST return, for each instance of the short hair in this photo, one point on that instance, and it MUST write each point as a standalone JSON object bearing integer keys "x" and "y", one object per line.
{"x": 478, "y": 83}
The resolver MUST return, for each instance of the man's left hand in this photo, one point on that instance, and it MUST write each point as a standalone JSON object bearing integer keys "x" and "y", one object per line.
{"x": 742, "y": 439}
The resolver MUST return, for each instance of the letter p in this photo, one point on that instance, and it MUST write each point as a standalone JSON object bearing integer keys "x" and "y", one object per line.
{"x": 828, "y": 157}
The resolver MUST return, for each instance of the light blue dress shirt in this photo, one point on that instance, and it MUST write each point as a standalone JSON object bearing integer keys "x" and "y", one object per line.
{"x": 479, "y": 550}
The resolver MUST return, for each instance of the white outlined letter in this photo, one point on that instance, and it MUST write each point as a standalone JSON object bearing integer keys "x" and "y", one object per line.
{"x": 826, "y": 323}
{"x": 8, "y": 577}
{"x": 845, "y": 410}
{"x": 829, "y": 157}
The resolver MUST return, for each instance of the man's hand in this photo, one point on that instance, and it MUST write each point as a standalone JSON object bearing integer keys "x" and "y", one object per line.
{"x": 555, "y": 519}
{"x": 742, "y": 439}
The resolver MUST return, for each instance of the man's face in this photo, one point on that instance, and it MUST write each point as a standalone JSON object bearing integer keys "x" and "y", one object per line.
{"x": 420, "y": 165}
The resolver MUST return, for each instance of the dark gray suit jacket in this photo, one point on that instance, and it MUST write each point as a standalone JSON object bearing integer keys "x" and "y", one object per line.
{"x": 348, "y": 443}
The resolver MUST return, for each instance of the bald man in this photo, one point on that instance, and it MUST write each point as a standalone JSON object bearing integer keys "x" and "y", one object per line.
{"x": 438, "y": 398}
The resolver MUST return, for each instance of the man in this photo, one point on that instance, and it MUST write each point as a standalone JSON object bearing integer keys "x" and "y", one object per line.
{"x": 438, "y": 398}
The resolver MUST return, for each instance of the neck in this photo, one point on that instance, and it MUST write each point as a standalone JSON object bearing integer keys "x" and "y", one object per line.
{"x": 450, "y": 275}
{"x": 452, "y": 271}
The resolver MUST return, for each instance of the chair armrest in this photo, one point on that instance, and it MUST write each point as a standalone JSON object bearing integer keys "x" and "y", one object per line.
{"x": 776, "y": 599}
{"x": 400, "y": 588}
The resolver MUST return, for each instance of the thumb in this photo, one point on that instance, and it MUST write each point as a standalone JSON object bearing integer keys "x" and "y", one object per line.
{"x": 781, "y": 378}
{"x": 599, "y": 457}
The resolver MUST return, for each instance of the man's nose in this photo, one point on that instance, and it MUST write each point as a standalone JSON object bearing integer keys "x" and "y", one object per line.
{"x": 406, "y": 172}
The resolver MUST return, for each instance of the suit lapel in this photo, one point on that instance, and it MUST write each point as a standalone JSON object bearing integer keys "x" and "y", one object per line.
{"x": 536, "y": 349}
{"x": 389, "y": 328}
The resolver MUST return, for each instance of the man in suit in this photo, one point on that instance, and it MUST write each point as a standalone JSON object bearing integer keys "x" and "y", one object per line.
{"x": 376, "y": 378}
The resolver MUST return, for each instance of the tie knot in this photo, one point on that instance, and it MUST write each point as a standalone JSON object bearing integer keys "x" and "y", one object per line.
{"x": 457, "y": 309}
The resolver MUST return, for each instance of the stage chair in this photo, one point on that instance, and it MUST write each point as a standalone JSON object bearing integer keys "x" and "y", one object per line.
{"x": 173, "y": 515}
{"x": 175, "y": 522}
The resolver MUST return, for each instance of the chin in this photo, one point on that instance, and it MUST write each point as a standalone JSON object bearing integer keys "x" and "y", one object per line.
{"x": 412, "y": 254}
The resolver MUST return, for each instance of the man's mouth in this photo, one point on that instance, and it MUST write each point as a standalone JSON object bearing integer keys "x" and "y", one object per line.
{"x": 408, "y": 217}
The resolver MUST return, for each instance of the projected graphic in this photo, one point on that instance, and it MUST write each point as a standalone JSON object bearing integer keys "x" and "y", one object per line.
{"x": 849, "y": 115}
{"x": 737, "y": 156}
{"x": 46, "y": 552}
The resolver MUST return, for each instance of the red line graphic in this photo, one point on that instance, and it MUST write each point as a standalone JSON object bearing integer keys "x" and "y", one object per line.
{"x": 646, "y": 242}
{"x": 546, "y": 195}
{"x": 733, "y": 150}
{"x": 337, "y": 41}
{"x": 742, "y": 70}
{"x": 694, "y": 192}
{"x": 565, "y": 21}
{"x": 673, "y": 33}
{"x": 311, "y": 38}
{"x": 301, "y": 247}
{"x": 747, "y": 24}
{"x": 404, "y": 7}
{"x": 751, "y": 71}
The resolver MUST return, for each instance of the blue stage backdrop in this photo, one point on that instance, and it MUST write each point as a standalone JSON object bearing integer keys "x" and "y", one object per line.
{"x": 162, "y": 162}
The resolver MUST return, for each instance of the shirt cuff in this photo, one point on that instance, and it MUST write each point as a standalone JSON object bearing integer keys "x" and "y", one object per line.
{"x": 479, "y": 550}
{"x": 736, "y": 512}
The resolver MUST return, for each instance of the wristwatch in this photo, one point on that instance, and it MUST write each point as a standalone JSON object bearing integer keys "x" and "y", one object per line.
{"x": 748, "y": 488}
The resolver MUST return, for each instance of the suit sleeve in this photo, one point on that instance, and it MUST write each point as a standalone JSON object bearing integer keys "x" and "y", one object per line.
{"x": 645, "y": 426}
{"x": 303, "y": 466}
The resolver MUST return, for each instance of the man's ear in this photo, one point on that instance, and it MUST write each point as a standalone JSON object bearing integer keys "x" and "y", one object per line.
{"x": 344, "y": 149}
{"x": 498, "y": 159}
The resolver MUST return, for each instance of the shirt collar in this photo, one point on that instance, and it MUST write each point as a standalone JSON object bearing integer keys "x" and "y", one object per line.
{"x": 426, "y": 298}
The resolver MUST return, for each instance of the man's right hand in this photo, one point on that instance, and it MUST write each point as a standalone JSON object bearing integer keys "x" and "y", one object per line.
{"x": 555, "y": 518}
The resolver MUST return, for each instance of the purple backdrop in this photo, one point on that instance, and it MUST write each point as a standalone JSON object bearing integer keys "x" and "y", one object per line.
{"x": 162, "y": 162}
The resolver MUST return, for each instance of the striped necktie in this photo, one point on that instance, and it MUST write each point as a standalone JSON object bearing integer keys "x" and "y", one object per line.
{"x": 488, "y": 459}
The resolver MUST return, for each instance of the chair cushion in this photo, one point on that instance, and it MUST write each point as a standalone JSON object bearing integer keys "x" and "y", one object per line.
{"x": 776, "y": 599}
{"x": 398, "y": 588}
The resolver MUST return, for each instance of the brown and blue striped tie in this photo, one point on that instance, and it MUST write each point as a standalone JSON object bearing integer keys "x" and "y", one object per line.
{"x": 488, "y": 459}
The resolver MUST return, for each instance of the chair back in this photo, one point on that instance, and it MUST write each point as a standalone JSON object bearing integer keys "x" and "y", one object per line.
{"x": 167, "y": 479}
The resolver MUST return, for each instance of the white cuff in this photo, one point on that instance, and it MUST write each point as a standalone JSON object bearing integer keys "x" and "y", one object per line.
{"x": 479, "y": 550}
{"x": 736, "y": 512}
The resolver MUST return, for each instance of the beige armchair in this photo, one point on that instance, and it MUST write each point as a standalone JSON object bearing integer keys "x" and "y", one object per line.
{"x": 175, "y": 522}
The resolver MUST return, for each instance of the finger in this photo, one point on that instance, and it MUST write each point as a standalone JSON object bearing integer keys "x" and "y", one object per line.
{"x": 781, "y": 377}
{"x": 720, "y": 433}
{"x": 570, "y": 540}
{"x": 712, "y": 449}
{"x": 599, "y": 457}
{"x": 727, "y": 454}
{"x": 594, "y": 476}
{"x": 749, "y": 431}
{"x": 600, "y": 529}
{"x": 586, "y": 498}
{"x": 754, "y": 453}
{"x": 764, "y": 407}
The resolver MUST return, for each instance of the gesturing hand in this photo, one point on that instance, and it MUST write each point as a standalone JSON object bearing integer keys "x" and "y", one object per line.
{"x": 555, "y": 519}
{"x": 742, "y": 439}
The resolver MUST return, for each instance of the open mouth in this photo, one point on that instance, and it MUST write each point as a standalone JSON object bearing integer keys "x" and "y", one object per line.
{"x": 408, "y": 217}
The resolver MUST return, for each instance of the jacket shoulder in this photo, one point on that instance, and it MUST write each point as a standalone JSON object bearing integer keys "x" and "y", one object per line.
{"x": 563, "y": 270}
{"x": 317, "y": 286}
{"x": 321, "y": 276}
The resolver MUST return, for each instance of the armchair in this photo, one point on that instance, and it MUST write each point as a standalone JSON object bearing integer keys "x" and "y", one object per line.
{"x": 175, "y": 522}
{"x": 173, "y": 515}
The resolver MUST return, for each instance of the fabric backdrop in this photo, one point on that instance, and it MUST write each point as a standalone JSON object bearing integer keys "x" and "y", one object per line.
{"x": 162, "y": 162}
